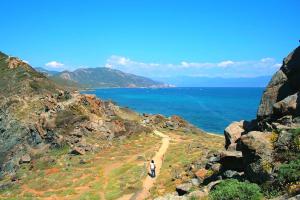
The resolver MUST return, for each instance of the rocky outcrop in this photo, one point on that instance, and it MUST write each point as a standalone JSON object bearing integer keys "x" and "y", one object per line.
{"x": 276, "y": 100}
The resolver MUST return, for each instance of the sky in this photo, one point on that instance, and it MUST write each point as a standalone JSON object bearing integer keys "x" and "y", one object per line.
{"x": 154, "y": 38}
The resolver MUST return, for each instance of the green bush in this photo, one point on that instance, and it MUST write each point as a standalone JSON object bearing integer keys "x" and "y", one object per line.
{"x": 289, "y": 173}
{"x": 232, "y": 189}
{"x": 295, "y": 144}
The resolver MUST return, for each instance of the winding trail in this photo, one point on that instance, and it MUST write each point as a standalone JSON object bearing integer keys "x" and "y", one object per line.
{"x": 149, "y": 181}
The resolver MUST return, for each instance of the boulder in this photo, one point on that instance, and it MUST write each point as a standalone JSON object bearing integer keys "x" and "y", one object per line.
{"x": 232, "y": 160}
{"x": 184, "y": 188}
{"x": 287, "y": 106}
{"x": 257, "y": 150}
{"x": 233, "y": 132}
{"x": 216, "y": 167}
{"x": 77, "y": 151}
{"x": 25, "y": 159}
{"x": 197, "y": 195}
{"x": 257, "y": 143}
{"x": 195, "y": 182}
{"x": 283, "y": 141}
{"x": 201, "y": 174}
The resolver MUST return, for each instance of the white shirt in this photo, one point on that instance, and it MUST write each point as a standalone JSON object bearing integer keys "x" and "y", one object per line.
{"x": 152, "y": 166}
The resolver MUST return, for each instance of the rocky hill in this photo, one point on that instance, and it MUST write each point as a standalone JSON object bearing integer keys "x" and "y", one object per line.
{"x": 36, "y": 114}
{"x": 103, "y": 77}
{"x": 56, "y": 143}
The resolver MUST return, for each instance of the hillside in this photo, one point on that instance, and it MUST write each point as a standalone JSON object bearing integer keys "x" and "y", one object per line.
{"x": 106, "y": 77}
{"x": 58, "y": 144}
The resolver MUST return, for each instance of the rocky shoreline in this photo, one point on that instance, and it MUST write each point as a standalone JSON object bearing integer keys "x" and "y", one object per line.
{"x": 261, "y": 151}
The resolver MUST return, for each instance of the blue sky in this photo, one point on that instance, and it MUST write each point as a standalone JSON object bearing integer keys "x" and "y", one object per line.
{"x": 153, "y": 37}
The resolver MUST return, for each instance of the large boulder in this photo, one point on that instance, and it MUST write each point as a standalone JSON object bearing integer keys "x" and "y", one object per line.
{"x": 232, "y": 133}
{"x": 288, "y": 106}
{"x": 284, "y": 83}
{"x": 257, "y": 151}
{"x": 184, "y": 188}
{"x": 232, "y": 160}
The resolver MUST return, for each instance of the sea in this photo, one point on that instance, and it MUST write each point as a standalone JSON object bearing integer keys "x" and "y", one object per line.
{"x": 211, "y": 109}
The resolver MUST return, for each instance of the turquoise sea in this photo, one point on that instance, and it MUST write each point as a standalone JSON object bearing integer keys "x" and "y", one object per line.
{"x": 210, "y": 109}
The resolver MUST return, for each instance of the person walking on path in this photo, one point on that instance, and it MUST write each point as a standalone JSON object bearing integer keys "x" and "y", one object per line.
{"x": 152, "y": 168}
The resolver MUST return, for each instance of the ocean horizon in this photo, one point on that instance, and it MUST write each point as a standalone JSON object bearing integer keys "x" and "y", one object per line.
{"x": 209, "y": 108}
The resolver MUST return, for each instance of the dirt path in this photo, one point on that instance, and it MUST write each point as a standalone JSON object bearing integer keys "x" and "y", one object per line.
{"x": 149, "y": 181}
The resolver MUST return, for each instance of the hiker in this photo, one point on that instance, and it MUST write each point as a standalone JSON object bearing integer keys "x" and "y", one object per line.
{"x": 152, "y": 168}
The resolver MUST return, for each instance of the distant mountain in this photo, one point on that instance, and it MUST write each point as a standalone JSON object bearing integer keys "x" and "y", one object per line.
{"x": 46, "y": 72}
{"x": 105, "y": 77}
{"x": 188, "y": 81}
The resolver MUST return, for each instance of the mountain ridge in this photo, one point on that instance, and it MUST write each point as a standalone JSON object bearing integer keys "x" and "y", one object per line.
{"x": 103, "y": 77}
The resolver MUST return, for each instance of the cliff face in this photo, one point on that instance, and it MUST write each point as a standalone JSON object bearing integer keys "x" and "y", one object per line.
{"x": 281, "y": 95}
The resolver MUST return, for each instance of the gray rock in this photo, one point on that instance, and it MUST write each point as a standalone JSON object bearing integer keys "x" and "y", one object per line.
{"x": 25, "y": 159}
{"x": 232, "y": 160}
{"x": 283, "y": 141}
{"x": 77, "y": 151}
{"x": 297, "y": 197}
{"x": 184, "y": 188}
{"x": 257, "y": 151}
{"x": 195, "y": 182}
{"x": 284, "y": 83}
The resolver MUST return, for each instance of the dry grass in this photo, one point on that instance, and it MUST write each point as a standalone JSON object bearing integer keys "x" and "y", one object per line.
{"x": 182, "y": 151}
{"x": 113, "y": 172}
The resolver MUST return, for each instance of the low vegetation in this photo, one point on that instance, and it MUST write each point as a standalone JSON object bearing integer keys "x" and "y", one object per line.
{"x": 184, "y": 149}
{"x": 233, "y": 189}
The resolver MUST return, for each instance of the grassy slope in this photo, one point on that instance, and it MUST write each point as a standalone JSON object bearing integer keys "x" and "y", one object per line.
{"x": 183, "y": 150}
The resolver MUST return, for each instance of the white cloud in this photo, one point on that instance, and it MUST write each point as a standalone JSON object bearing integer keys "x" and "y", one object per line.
{"x": 225, "y": 63}
{"x": 227, "y": 68}
{"x": 277, "y": 65}
{"x": 54, "y": 64}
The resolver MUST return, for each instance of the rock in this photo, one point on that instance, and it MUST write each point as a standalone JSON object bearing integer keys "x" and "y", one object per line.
{"x": 297, "y": 197}
{"x": 284, "y": 83}
{"x": 258, "y": 143}
{"x": 82, "y": 162}
{"x": 233, "y": 174}
{"x": 184, "y": 188}
{"x": 287, "y": 106}
{"x": 197, "y": 195}
{"x": 171, "y": 197}
{"x": 77, "y": 151}
{"x": 195, "y": 182}
{"x": 233, "y": 132}
{"x": 214, "y": 159}
{"x": 25, "y": 159}
{"x": 283, "y": 141}
{"x": 201, "y": 174}
{"x": 232, "y": 160}
{"x": 257, "y": 151}
{"x": 216, "y": 167}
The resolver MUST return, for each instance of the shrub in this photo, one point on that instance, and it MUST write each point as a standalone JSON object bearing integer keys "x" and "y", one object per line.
{"x": 295, "y": 146}
{"x": 232, "y": 189}
{"x": 289, "y": 173}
